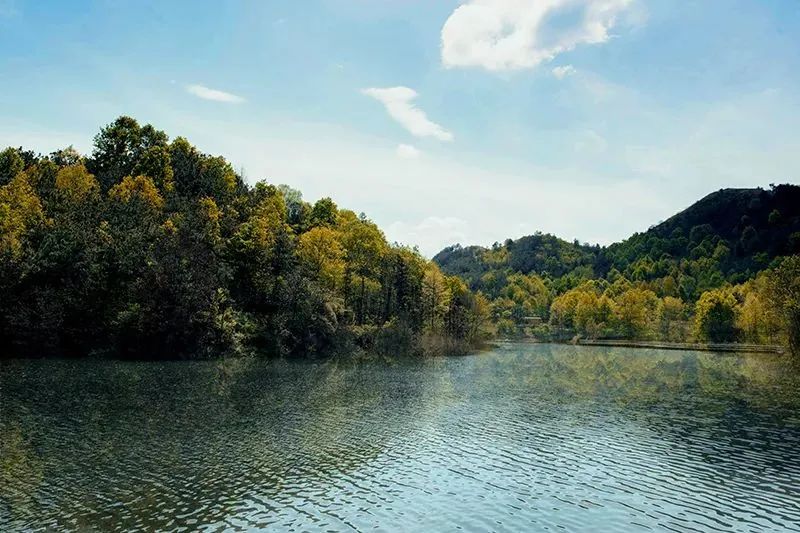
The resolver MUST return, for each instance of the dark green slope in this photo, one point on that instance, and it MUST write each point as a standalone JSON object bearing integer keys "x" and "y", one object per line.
{"x": 742, "y": 229}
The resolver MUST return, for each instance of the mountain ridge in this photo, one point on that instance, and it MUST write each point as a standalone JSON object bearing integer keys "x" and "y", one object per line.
{"x": 742, "y": 229}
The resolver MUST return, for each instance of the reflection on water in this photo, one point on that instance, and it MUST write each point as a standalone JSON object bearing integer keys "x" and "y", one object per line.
{"x": 525, "y": 437}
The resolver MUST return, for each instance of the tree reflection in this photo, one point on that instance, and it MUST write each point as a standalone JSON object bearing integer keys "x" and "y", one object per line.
{"x": 99, "y": 444}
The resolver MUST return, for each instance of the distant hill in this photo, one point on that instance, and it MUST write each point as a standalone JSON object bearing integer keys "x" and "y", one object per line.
{"x": 540, "y": 253}
{"x": 729, "y": 235}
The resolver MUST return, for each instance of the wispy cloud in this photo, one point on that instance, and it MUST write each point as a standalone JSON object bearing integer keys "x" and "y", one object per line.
{"x": 400, "y": 106}
{"x": 517, "y": 34}
{"x": 406, "y": 151}
{"x": 563, "y": 71}
{"x": 215, "y": 95}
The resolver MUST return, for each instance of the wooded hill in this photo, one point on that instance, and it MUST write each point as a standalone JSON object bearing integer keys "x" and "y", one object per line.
{"x": 722, "y": 242}
{"x": 730, "y": 235}
{"x": 150, "y": 248}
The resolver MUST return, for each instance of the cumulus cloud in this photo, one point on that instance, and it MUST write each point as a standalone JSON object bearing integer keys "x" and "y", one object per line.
{"x": 563, "y": 71}
{"x": 399, "y": 103}
{"x": 215, "y": 95}
{"x": 518, "y": 34}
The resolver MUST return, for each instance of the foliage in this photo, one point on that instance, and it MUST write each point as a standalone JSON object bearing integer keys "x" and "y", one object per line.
{"x": 784, "y": 291}
{"x": 150, "y": 248}
{"x": 715, "y": 316}
{"x": 666, "y": 283}
{"x": 20, "y": 213}
{"x": 11, "y": 164}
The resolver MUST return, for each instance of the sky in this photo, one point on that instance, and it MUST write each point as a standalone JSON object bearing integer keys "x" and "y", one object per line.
{"x": 445, "y": 122}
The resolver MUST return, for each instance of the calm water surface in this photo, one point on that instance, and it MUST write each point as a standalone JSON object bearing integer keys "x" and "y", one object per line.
{"x": 522, "y": 438}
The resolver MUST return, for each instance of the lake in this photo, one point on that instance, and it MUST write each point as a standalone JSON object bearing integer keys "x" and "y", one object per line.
{"x": 520, "y": 438}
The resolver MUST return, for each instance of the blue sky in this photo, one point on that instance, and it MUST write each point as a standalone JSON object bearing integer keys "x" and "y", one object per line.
{"x": 444, "y": 121}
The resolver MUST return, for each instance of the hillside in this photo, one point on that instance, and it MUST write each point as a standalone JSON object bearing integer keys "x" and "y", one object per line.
{"x": 741, "y": 231}
{"x": 715, "y": 271}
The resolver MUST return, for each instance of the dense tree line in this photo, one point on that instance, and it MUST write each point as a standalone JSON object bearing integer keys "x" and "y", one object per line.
{"x": 149, "y": 247}
{"x": 708, "y": 273}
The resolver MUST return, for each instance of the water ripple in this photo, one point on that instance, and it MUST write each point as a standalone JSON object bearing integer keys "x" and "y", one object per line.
{"x": 524, "y": 438}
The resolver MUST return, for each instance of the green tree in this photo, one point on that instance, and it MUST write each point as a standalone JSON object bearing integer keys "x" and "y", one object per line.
{"x": 11, "y": 164}
{"x": 715, "y": 316}
{"x": 365, "y": 247}
{"x": 75, "y": 185}
{"x": 319, "y": 250}
{"x": 20, "y": 213}
{"x": 671, "y": 316}
{"x": 636, "y": 311}
{"x": 119, "y": 147}
{"x": 758, "y": 318}
{"x": 324, "y": 213}
{"x": 436, "y": 296}
{"x": 784, "y": 294}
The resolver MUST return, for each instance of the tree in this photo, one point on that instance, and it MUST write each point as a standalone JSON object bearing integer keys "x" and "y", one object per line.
{"x": 749, "y": 239}
{"x": 138, "y": 192}
{"x": 715, "y": 316}
{"x": 119, "y": 147}
{"x": 20, "y": 213}
{"x": 529, "y": 293}
{"x": 783, "y": 288}
{"x": 435, "y": 297}
{"x": 74, "y": 184}
{"x": 636, "y": 311}
{"x": 67, "y": 157}
{"x": 592, "y": 313}
{"x": 187, "y": 166}
{"x": 365, "y": 247}
{"x": 11, "y": 164}
{"x": 319, "y": 250}
{"x": 671, "y": 315}
{"x": 324, "y": 213}
{"x": 156, "y": 163}
{"x": 584, "y": 309}
{"x": 294, "y": 204}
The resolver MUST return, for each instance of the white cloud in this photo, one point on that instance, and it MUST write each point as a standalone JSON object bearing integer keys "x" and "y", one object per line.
{"x": 517, "y": 34}
{"x": 399, "y": 104}
{"x": 406, "y": 151}
{"x": 207, "y": 93}
{"x": 563, "y": 71}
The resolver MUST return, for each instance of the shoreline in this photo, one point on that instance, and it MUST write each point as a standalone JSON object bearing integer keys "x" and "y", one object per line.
{"x": 684, "y": 346}
{"x": 721, "y": 347}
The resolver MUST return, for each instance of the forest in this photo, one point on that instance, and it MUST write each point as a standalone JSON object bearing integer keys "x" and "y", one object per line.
{"x": 149, "y": 248}
{"x": 724, "y": 270}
